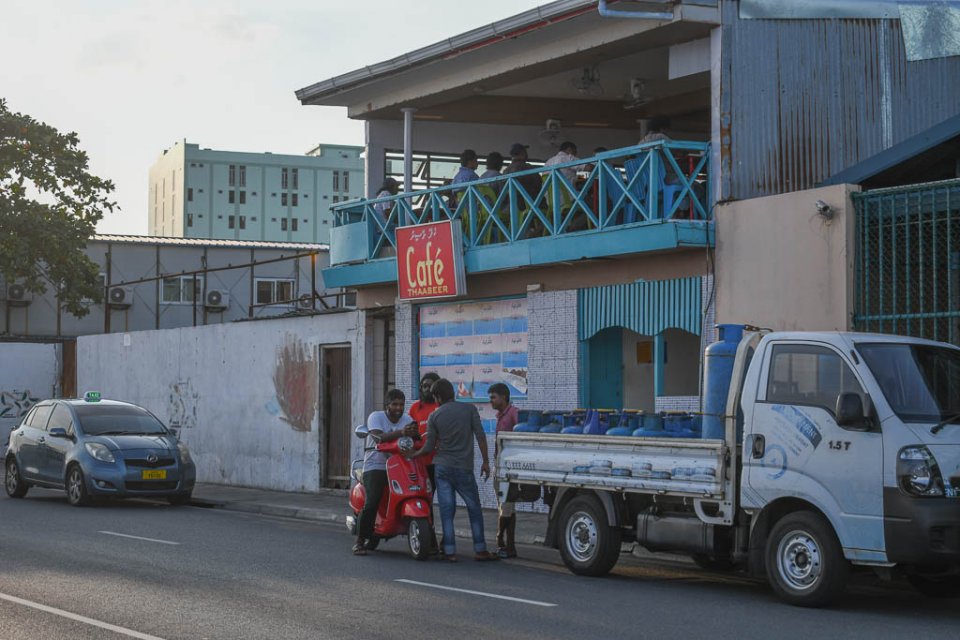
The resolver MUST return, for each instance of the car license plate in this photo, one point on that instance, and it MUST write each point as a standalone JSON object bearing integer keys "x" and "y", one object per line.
{"x": 154, "y": 474}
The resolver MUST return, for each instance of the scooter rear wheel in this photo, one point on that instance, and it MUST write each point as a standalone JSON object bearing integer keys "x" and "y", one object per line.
{"x": 418, "y": 537}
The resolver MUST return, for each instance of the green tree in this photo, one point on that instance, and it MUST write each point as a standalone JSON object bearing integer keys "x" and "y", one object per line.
{"x": 49, "y": 208}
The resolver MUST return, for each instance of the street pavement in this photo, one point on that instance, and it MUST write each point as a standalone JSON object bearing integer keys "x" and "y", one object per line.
{"x": 192, "y": 572}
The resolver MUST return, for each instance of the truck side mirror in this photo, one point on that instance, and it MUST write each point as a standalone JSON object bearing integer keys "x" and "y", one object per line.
{"x": 361, "y": 431}
{"x": 850, "y": 412}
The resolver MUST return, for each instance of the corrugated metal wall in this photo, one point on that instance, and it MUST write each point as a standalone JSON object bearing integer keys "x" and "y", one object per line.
{"x": 804, "y": 99}
{"x": 646, "y": 307}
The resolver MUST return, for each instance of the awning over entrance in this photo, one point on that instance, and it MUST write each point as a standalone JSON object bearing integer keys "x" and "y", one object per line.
{"x": 645, "y": 307}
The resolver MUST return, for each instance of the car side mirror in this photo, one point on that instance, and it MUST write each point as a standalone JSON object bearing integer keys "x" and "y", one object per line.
{"x": 58, "y": 432}
{"x": 361, "y": 431}
{"x": 850, "y": 412}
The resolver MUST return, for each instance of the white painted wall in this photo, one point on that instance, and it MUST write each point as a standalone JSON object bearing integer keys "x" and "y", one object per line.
{"x": 782, "y": 266}
{"x": 217, "y": 383}
{"x": 29, "y": 372}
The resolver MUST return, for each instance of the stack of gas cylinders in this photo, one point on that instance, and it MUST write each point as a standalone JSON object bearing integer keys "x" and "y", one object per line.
{"x": 611, "y": 423}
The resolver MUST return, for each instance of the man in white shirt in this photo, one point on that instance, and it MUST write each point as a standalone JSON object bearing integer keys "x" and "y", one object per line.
{"x": 567, "y": 153}
{"x": 383, "y": 426}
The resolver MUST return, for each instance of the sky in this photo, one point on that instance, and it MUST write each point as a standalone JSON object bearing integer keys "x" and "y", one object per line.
{"x": 132, "y": 77}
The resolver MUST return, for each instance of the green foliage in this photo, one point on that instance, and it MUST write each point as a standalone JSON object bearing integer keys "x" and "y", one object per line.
{"x": 49, "y": 208}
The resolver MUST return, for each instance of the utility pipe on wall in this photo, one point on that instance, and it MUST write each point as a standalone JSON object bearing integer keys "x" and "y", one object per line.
{"x": 607, "y": 12}
{"x": 407, "y": 151}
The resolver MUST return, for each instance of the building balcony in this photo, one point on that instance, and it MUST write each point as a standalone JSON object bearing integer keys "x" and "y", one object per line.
{"x": 644, "y": 198}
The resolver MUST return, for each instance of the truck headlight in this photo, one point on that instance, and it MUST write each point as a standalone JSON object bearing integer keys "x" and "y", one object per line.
{"x": 99, "y": 452}
{"x": 184, "y": 452}
{"x": 918, "y": 473}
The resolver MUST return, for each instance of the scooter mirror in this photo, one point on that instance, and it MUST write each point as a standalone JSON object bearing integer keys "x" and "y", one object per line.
{"x": 361, "y": 431}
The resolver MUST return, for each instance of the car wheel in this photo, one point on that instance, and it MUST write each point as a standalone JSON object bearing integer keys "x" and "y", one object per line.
{"x": 805, "y": 563}
{"x": 13, "y": 481}
{"x": 588, "y": 545}
{"x": 180, "y": 499}
{"x": 77, "y": 494}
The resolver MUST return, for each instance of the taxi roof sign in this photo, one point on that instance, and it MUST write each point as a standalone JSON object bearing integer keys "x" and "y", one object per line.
{"x": 91, "y": 396}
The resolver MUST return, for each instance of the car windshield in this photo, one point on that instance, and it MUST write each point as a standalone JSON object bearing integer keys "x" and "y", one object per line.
{"x": 98, "y": 420}
{"x": 920, "y": 382}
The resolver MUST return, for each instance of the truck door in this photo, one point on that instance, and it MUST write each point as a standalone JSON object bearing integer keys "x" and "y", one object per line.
{"x": 802, "y": 452}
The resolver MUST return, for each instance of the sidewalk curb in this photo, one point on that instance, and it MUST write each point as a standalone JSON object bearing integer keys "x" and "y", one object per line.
{"x": 319, "y": 515}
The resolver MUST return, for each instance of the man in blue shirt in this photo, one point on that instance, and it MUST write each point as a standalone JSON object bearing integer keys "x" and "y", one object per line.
{"x": 467, "y": 173}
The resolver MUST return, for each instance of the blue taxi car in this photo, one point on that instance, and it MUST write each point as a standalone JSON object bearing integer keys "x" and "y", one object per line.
{"x": 97, "y": 448}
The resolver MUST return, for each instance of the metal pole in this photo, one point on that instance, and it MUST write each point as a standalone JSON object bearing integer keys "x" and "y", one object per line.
{"x": 106, "y": 292}
{"x": 407, "y": 152}
{"x": 313, "y": 282}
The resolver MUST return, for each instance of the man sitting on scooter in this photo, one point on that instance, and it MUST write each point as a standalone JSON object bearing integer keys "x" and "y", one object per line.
{"x": 383, "y": 426}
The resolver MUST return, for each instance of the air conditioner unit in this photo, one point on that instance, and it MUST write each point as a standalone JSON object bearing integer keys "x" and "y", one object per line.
{"x": 306, "y": 301}
{"x": 18, "y": 296}
{"x": 216, "y": 299}
{"x": 120, "y": 297}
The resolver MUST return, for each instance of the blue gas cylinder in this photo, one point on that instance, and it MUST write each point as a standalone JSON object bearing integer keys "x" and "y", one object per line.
{"x": 718, "y": 370}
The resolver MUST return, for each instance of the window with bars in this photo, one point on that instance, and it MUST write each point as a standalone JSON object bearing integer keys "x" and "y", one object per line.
{"x": 243, "y": 175}
{"x": 336, "y": 181}
{"x": 284, "y": 178}
{"x": 295, "y": 174}
{"x": 232, "y": 175}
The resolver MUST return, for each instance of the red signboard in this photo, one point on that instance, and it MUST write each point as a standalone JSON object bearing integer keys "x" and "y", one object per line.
{"x": 430, "y": 261}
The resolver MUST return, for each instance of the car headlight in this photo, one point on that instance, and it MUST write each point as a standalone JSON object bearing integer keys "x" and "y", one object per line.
{"x": 918, "y": 473}
{"x": 184, "y": 452}
{"x": 99, "y": 451}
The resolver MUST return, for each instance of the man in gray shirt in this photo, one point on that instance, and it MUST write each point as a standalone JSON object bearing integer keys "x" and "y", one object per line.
{"x": 455, "y": 425}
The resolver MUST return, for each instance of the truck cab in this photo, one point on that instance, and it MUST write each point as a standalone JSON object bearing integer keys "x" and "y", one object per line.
{"x": 857, "y": 431}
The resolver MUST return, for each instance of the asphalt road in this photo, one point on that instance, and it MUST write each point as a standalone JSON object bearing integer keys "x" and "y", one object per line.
{"x": 205, "y": 573}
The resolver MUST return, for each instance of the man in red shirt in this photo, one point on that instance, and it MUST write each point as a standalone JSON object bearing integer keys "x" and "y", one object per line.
{"x": 420, "y": 411}
{"x": 506, "y": 420}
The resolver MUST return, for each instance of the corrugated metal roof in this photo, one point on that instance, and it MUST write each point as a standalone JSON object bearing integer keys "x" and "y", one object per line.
{"x": 646, "y": 307}
{"x": 208, "y": 242}
{"x": 805, "y": 99}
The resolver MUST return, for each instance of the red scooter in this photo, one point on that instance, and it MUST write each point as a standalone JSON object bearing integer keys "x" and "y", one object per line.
{"x": 405, "y": 507}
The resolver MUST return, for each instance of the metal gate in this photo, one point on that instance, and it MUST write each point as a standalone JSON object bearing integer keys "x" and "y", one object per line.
{"x": 908, "y": 261}
{"x": 337, "y": 433}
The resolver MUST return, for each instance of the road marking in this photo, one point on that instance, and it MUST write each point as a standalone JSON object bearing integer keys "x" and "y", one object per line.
{"x": 123, "y": 535}
{"x": 78, "y": 618}
{"x": 477, "y": 593}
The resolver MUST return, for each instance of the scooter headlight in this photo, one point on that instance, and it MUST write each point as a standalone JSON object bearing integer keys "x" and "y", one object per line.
{"x": 918, "y": 473}
{"x": 405, "y": 444}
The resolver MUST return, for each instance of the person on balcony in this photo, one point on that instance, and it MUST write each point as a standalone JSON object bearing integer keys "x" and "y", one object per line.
{"x": 655, "y": 130}
{"x": 390, "y": 187}
{"x": 518, "y": 162}
{"x": 494, "y": 167}
{"x": 467, "y": 173}
{"x": 567, "y": 153}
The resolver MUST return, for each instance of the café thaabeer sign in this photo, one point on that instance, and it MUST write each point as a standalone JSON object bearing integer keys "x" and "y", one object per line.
{"x": 430, "y": 261}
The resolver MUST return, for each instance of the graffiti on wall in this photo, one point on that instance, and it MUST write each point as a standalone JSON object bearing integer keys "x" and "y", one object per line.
{"x": 15, "y": 404}
{"x": 296, "y": 381}
{"x": 182, "y": 405}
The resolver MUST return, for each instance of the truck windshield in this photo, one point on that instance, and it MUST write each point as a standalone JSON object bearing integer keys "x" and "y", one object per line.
{"x": 920, "y": 382}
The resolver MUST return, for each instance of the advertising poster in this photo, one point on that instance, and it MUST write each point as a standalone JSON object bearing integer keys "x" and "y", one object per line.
{"x": 476, "y": 344}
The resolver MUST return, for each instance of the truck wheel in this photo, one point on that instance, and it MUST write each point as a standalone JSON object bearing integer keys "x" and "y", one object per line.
{"x": 588, "y": 545}
{"x": 418, "y": 537}
{"x": 936, "y": 587}
{"x": 13, "y": 481}
{"x": 805, "y": 564}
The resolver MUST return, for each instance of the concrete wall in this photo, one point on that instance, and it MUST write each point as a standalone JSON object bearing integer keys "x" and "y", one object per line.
{"x": 244, "y": 394}
{"x": 781, "y": 265}
{"x": 29, "y": 373}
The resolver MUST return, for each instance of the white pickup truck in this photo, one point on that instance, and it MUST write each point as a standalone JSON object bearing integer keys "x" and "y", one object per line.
{"x": 841, "y": 450}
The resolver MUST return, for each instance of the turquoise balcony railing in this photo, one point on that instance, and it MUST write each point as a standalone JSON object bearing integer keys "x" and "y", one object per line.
{"x": 664, "y": 180}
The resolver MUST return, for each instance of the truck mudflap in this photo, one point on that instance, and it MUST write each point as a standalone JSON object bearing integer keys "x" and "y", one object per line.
{"x": 692, "y": 468}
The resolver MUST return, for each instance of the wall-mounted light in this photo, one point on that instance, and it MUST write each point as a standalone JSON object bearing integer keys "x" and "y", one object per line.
{"x": 824, "y": 209}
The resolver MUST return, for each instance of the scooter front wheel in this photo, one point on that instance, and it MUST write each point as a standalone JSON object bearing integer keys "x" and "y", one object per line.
{"x": 418, "y": 537}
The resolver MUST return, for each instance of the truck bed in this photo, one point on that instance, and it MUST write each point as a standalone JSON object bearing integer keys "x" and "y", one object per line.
{"x": 682, "y": 467}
